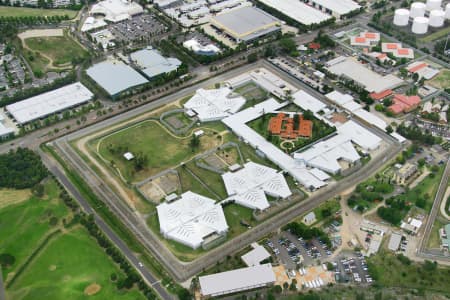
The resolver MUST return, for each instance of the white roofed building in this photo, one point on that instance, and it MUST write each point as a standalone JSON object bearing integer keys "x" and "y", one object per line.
{"x": 359, "y": 135}
{"x": 215, "y": 104}
{"x": 191, "y": 219}
{"x": 116, "y": 10}
{"x": 336, "y": 8}
{"x": 255, "y": 256}
{"x": 49, "y": 103}
{"x": 200, "y": 49}
{"x": 298, "y": 11}
{"x": 249, "y": 185}
{"x": 308, "y": 102}
{"x": 152, "y": 63}
{"x": 237, "y": 280}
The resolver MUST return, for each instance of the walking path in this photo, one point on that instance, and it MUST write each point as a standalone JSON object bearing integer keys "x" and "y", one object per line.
{"x": 2, "y": 289}
{"x": 443, "y": 203}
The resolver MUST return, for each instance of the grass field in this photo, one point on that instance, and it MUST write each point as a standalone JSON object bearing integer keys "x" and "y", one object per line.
{"x": 436, "y": 35}
{"x": 212, "y": 180}
{"x": 162, "y": 149}
{"x": 37, "y": 62}
{"x": 60, "y": 49}
{"x": 411, "y": 275}
{"x": 69, "y": 264}
{"x": 442, "y": 79}
{"x": 66, "y": 265}
{"x": 252, "y": 93}
{"x": 9, "y": 11}
{"x": 435, "y": 238}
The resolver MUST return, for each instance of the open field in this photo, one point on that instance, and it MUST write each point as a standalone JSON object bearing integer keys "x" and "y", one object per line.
{"x": 70, "y": 263}
{"x": 60, "y": 50}
{"x": 10, "y": 11}
{"x": 434, "y": 241}
{"x": 412, "y": 275}
{"x": 442, "y": 79}
{"x": 10, "y": 196}
{"x": 436, "y": 35}
{"x": 162, "y": 149}
{"x": 66, "y": 265}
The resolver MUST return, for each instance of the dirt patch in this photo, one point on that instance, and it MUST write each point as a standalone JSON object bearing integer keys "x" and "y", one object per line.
{"x": 52, "y": 268}
{"x": 40, "y": 33}
{"x": 160, "y": 187}
{"x": 92, "y": 289}
{"x": 11, "y": 196}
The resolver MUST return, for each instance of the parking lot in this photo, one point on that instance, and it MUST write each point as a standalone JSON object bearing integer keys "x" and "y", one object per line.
{"x": 138, "y": 27}
{"x": 352, "y": 268}
{"x": 294, "y": 252}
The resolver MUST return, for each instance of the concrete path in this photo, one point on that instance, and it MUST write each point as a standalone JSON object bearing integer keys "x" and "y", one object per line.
{"x": 2, "y": 289}
{"x": 443, "y": 203}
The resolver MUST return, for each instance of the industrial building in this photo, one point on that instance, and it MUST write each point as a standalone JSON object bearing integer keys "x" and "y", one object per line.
{"x": 5, "y": 131}
{"x": 213, "y": 105}
{"x": 152, "y": 63}
{"x": 49, "y": 103}
{"x": 397, "y": 50}
{"x": 248, "y": 186}
{"x": 246, "y": 24}
{"x": 116, "y": 10}
{"x": 237, "y": 280}
{"x": 298, "y": 11}
{"x": 350, "y": 68}
{"x": 394, "y": 241}
{"x": 423, "y": 69}
{"x": 336, "y": 8}
{"x": 192, "y": 220}
{"x": 115, "y": 77}
{"x": 365, "y": 39}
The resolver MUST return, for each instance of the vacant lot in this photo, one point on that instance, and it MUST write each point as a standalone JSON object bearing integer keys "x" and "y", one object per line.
{"x": 9, "y": 11}
{"x": 442, "y": 79}
{"x": 65, "y": 266}
{"x": 162, "y": 149}
{"x": 60, "y": 50}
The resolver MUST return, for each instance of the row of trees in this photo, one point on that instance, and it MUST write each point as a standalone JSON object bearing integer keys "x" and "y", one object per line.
{"x": 21, "y": 169}
{"x": 414, "y": 133}
{"x": 308, "y": 233}
{"x": 32, "y": 20}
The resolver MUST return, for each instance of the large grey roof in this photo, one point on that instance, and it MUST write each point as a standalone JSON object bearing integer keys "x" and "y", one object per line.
{"x": 153, "y": 63}
{"x": 247, "y": 23}
{"x": 115, "y": 76}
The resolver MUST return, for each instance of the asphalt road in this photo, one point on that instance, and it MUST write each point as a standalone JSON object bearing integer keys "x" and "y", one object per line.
{"x": 179, "y": 270}
{"x": 148, "y": 277}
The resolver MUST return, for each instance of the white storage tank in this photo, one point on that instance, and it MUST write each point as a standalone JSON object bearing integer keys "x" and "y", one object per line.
{"x": 447, "y": 11}
{"x": 420, "y": 25}
{"x": 437, "y": 18}
{"x": 401, "y": 17}
{"x": 434, "y": 4}
{"x": 417, "y": 9}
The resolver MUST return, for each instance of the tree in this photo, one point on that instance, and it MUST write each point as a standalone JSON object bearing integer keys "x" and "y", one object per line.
{"x": 38, "y": 190}
{"x": 389, "y": 129}
{"x": 252, "y": 57}
{"x": 287, "y": 45}
{"x": 195, "y": 142}
{"x": 6, "y": 260}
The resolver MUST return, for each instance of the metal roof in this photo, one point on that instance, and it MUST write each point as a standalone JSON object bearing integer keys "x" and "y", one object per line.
{"x": 255, "y": 256}
{"x": 246, "y": 23}
{"x": 152, "y": 63}
{"x": 340, "y": 7}
{"x": 115, "y": 76}
{"x": 49, "y": 103}
{"x": 298, "y": 11}
{"x": 236, "y": 280}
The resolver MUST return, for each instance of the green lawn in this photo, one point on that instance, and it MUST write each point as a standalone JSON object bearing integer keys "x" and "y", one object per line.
{"x": 23, "y": 226}
{"x": 162, "y": 149}
{"x": 190, "y": 183}
{"x": 69, "y": 264}
{"x": 37, "y": 62}
{"x": 235, "y": 214}
{"x": 212, "y": 180}
{"x": 66, "y": 265}
{"x": 435, "y": 238}
{"x": 442, "y": 79}
{"x": 60, "y": 49}
{"x": 9, "y": 11}
{"x": 253, "y": 93}
{"x": 436, "y": 35}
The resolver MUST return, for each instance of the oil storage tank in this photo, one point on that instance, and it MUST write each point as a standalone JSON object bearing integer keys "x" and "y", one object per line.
{"x": 434, "y": 4}
{"x": 401, "y": 17}
{"x": 447, "y": 11}
{"x": 417, "y": 9}
{"x": 437, "y": 18}
{"x": 420, "y": 25}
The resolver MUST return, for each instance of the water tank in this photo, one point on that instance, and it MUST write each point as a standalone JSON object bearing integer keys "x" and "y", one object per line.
{"x": 401, "y": 17}
{"x": 417, "y": 10}
{"x": 437, "y": 18}
{"x": 420, "y": 25}
{"x": 434, "y": 4}
{"x": 447, "y": 11}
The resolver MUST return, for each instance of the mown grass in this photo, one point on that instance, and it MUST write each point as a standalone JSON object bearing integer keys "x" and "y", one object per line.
{"x": 10, "y": 11}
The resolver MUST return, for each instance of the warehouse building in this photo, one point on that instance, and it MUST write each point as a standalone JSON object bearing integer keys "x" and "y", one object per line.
{"x": 298, "y": 11}
{"x": 256, "y": 255}
{"x": 248, "y": 186}
{"x": 152, "y": 63}
{"x": 201, "y": 49}
{"x": 115, "y": 77}
{"x": 49, "y": 103}
{"x": 5, "y": 131}
{"x": 192, "y": 220}
{"x": 237, "y": 280}
{"x": 246, "y": 24}
{"x": 336, "y": 8}
{"x": 350, "y": 68}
